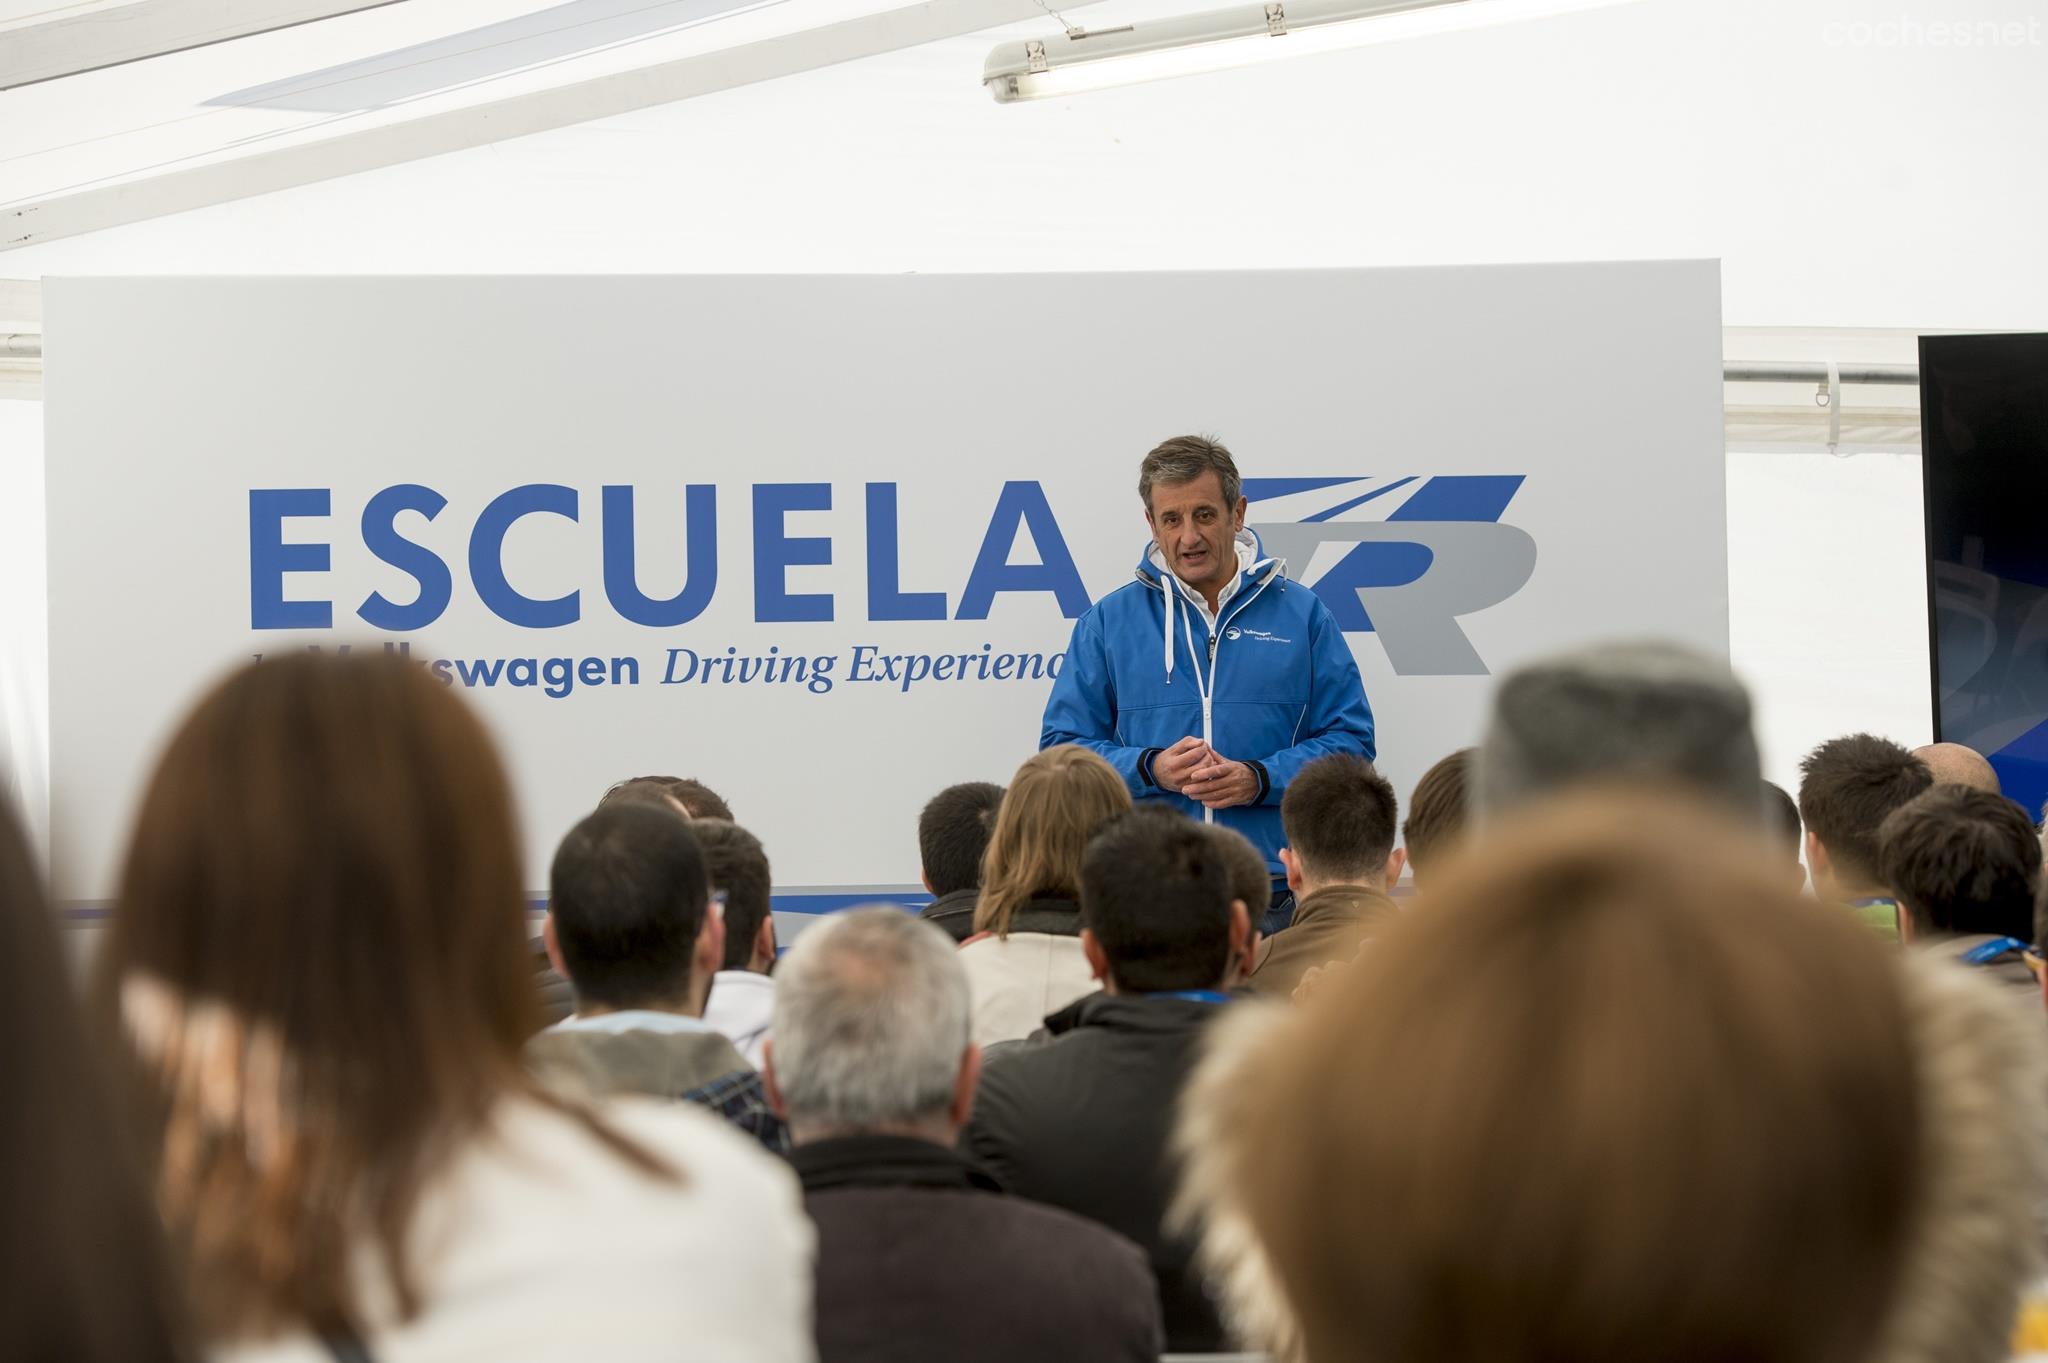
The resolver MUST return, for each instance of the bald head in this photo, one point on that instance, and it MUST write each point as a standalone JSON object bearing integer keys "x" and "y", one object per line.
{"x": 1955, "y": 765}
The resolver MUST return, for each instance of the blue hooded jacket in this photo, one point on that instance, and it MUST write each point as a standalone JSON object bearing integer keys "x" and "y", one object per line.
{"x": 1276, "y": 686}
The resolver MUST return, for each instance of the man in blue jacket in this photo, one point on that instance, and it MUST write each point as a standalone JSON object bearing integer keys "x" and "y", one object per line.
{"x": 1211, "y": 679}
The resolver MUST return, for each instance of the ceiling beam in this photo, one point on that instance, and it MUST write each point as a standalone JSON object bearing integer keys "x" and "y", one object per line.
{"x": 149, "y": 28}
{"x": 202, "y": 186}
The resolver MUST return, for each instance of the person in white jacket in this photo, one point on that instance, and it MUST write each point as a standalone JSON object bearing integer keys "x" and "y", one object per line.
{"x": 1025, "y": 959}
{"x": 319, "y": 963}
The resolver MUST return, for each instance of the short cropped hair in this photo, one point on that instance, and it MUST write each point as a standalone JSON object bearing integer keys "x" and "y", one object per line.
{"x": 952, "y": 834}
{"x": 1156, "y": 893}
{"x": 1338, "y": 815}
{"x": 1962, "y": 861}
{"x": 870, "y": 1022}
{"x": 627, "y": 893}
{"x": 1648, "y": 713}
{"x": 700, "y": 800}
{"x": 1847, "y": 787}
{"x": 737, "y": 864}
{"x": 1185, "y": 458}
{"x": 1251, "y": 880}
{"x": 1781, "y": 818}
{"x": 1439, "y": 808}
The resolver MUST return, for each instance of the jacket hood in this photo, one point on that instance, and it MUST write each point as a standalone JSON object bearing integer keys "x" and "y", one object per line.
{"x": 1252, "y": 567}
{"x": 1251, "y": 559}
{"x": 1974, "y": 1245}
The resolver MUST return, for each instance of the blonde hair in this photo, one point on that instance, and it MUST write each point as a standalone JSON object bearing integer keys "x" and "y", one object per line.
{"x": 1618, "y": 1095}
{"x": 1057, "y": 801}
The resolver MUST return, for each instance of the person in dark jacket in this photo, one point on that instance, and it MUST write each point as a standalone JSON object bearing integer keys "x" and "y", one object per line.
{"x": 1965, "y": 864}
{"x": 1082, "y": 1119}
{"x": 1340, "y": 857}
{"x": 920, "y": 1255}
{"x": 952, "y": 834}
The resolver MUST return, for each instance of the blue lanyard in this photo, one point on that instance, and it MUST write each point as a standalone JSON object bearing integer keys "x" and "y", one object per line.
{"x": 1194, "y": 995}
{"x": 1992, "y": 950}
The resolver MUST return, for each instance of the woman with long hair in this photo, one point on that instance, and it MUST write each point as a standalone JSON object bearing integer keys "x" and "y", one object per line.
{"x": 85, "y": 1276}
{"x": 319, "y": 964}
{"x": 1025, "y": 960}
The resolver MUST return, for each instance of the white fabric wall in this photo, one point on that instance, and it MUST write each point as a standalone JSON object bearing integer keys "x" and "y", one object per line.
{"x": 24, "y": 620}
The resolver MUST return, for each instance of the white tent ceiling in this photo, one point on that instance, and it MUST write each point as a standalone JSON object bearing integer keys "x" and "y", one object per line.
{"x": 1842, "y": 182}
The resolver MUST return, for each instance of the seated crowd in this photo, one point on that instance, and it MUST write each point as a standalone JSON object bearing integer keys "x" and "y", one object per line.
{"x": 1564, "y": 1065}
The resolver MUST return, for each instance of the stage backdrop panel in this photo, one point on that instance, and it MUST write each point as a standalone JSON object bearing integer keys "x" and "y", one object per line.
{"x": 819, "y": 541}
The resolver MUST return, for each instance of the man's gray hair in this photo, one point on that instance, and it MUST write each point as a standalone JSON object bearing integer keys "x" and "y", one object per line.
{"x": 1630, "y": 712}
{"x": 871, "y": 1020}
{"x": 1186, "y": 458}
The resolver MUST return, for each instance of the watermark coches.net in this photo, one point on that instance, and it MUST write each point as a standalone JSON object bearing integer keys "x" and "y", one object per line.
{"x": 1908, "y": 32}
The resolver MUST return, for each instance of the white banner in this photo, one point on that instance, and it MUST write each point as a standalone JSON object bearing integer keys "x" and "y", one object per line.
{"x": 819, "y": 541}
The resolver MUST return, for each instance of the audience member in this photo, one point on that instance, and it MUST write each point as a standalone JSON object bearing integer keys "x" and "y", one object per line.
{"x": 87, "y": 1276}
{"x": 1643, "y": 712}
{"x": 1081, "y": 1120}
{"x": 952, "y": 837}
{"x": 695, "y": 799}
{"x": 1787, "y": 834}
{"x": 873, "y": 1069}
{"x": 1244, "y": 865}
{"x": 1847, "y": 788}
{"x": 1025, "y": 959}
{"x": 1589, "y": 1193}
{"x": 632, "y": 926}
{"x": 1437, "y": 812}
{"x": 1955, "y": 764}
{"x": 318, "y": 959}
{"x": 1965, "y": 865}
{"x": 742, "y": 992}
{"x": 1338, "y": 816}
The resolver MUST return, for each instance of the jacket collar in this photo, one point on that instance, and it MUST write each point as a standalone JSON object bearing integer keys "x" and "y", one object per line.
{"x": 1154, "y": 1014}
{"x": 1252, "y": 562}
{"x": 884, "y": 1161}
{"x": 1342, "y": 904}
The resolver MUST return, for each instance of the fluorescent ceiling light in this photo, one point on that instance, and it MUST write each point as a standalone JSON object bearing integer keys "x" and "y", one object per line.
{"x": 1081, "y": 59}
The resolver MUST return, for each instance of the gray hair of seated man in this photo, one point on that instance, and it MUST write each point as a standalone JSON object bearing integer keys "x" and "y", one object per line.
{"x": 870, "y": 1023}
{"x": 1650, "y": 712}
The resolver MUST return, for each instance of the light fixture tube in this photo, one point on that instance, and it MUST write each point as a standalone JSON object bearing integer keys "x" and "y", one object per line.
{"x": 1079, "y": 60}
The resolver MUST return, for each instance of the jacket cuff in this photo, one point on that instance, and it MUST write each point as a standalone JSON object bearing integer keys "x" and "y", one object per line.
{"x": 1145, "y": 766}
{"x": 1265, "y": 782}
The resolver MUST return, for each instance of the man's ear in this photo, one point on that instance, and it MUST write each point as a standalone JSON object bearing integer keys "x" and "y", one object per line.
{"x": 710, "y": 953}
{"x": 554, "y": 947}
{"x": 1098, "y": 959}
{"x": 926, "y": 877}
{"x": 764, "y": 940}
{"x": 1292, "y": 865}
{"x": 1817, "y": 858}
{"x": 768, "y": 1079}
{"x": 1397, "y": 862}
{"x": 964, "y": 1085}
{"x": 1237, "y": 514}
{"x": 1244, "y": 943}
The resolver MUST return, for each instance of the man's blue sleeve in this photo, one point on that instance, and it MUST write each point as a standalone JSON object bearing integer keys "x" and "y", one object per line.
{"x": 1082, "y": 707}
{"x": 1338, "y": 718}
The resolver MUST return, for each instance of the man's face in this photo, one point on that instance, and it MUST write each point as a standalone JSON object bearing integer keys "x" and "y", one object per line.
{"x": 1196, "y": 531}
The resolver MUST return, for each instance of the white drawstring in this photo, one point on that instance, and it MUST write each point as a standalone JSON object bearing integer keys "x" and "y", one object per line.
{"x": 1167, "y": 618}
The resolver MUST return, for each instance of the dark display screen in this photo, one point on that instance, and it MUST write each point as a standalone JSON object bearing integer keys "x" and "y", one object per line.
{"x": 1984, "y": 440}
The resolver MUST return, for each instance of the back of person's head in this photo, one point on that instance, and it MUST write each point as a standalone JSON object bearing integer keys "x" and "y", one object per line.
{"x": 1054, "y": 804}
{"x": 1587, "y": 1192}
{"x": 1954, "y": 764}
{"x": 87, "y": 1277}
{"x": 1251, "y": 882}
{"x": 1438, "y": 810}
{"x": 1847, "y": 788}
{"x": 871, "y": 1028}
{"x": 1962, "y": 861}
{"x": 320, "y": 958}
{"x": 695, "y": 798}
{"x": 1783, "y": 829}
{"x": 737, "y": 865}
{"x": 1642, "y": 712}
{"x": 953, "y": 833}
{"x": 627, "y": 895}
{"x": 1339, "y": 817}
{"x": 1158, "y": 907}
{"x": 644, "y": 790}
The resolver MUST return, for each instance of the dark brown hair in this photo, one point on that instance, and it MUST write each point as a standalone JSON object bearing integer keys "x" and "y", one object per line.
{"x": 1847, "y": 786}
{"x": 738, "y": 865}
{"x": 320, "y": 960}
{"x": 1438, "y": 810}
{"x": 1339, "y": 817}
{"x": 953, "y": 832}
{"x": 87, "y": 1279}
{"x": 698, "y": 799}
{"x": 1962, "y": 861}
{"x": 1619, "y": 1095}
